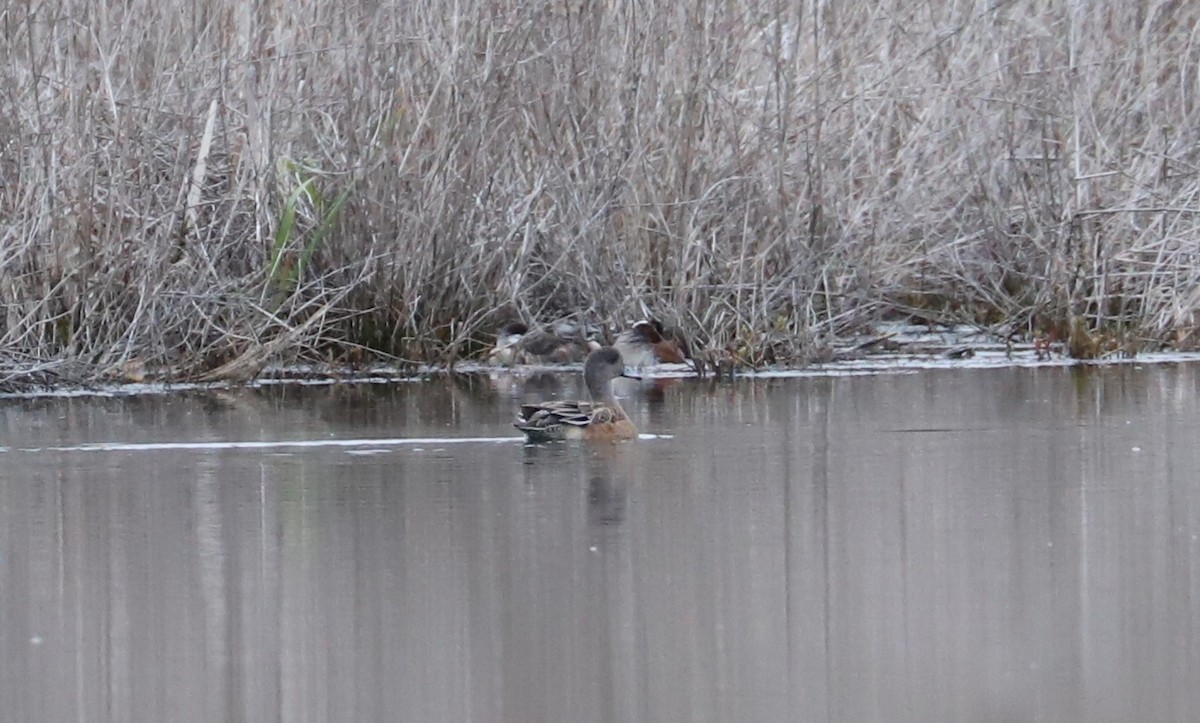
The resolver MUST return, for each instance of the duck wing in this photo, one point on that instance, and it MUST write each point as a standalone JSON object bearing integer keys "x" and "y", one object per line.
{"x": 552, "y": 414}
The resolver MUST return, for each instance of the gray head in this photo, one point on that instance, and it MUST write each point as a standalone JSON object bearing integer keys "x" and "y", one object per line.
{"x": 602, "y": 366}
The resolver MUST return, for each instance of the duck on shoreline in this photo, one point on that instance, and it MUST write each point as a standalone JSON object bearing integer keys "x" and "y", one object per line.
{"x": 517, "y": 344}
{"x": 648, "y": 343}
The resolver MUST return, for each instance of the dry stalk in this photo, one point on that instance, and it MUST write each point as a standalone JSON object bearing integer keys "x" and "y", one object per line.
{"x": 307, "y": 180}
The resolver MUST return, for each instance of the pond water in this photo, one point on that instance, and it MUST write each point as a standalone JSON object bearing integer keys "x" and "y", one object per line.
{"x": 948, "y": 545}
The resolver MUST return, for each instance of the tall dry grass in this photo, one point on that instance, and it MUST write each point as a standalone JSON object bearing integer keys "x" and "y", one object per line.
{"x": 206, "y": 186}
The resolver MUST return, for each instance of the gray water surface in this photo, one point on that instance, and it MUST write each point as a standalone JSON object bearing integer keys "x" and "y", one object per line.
{"x": 983, "y": 545}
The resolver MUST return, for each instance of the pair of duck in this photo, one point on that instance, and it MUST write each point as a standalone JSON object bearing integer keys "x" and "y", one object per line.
{"x": 645, "y": 344}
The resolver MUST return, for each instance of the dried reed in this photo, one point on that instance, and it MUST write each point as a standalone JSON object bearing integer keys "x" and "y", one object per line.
{"x": 200, "y": 188}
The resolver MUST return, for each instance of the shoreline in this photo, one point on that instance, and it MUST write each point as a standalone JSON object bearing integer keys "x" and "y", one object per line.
{"x": 907, "y": 360}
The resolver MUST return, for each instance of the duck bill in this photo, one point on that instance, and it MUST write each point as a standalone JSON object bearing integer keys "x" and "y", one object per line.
{"x": 630, "y": 374}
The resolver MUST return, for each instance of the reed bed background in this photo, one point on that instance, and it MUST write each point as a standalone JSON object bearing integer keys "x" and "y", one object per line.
{"x": 201, "y": 187}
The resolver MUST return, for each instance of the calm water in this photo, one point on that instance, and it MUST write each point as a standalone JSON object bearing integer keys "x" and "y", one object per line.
{"x": 986, "y": 545}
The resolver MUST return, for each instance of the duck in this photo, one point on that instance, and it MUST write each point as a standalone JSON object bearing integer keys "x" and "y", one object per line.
{"x": 516, "y": 344}
{"x": 601, "y": 419}
{"x": 648, "y": 342}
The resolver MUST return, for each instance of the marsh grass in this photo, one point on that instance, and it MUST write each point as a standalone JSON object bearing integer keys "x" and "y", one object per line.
{"x": 200, "y": 188}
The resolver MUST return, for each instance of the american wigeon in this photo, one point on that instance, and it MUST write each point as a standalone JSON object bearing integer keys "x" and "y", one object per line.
{"x": 648, "y": 343}
{"x": 516, "y": 344}
{"x": 601, "y": 419}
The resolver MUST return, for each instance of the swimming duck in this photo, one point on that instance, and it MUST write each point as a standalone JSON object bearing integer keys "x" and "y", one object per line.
{"x": 516, "y": 344}
{"x": 601, "y": 419}
{"x": 648, "y": 343}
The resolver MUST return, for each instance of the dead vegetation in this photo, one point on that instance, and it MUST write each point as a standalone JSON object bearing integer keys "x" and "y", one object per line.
{"x": 194, "y": 189}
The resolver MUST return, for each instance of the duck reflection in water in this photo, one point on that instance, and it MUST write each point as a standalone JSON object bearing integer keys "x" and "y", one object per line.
{"x": 606, "y": 500}
{"x": 539, "y": 384}
{"x": 602, "y": 472}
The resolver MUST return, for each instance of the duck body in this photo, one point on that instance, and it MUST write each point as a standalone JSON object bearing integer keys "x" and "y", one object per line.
{"x": 517, "y": 344}
{"x": 554, "y": 421}
{"x": 648, "y": 343}
{"x": 601, "y": 419}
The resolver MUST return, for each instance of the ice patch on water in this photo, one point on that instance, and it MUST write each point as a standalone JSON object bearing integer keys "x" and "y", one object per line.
{"x": 142, "y": 389}
{"x": 983, "y": 359}
{"x": 353, "y": 446}
{"x": 279, "y": 444}
{"x": 987, "y": 352}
